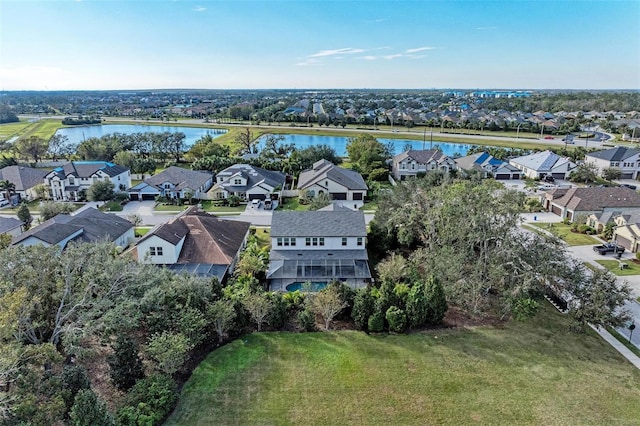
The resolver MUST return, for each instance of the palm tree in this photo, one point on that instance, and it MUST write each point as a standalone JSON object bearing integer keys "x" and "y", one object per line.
{"x": 8, "y": 188}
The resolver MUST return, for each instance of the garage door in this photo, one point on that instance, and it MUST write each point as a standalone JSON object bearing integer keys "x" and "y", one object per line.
{"x": 558, "y": 175}
{"x": 502, "y": 176}
{"x": 626, "y": 175}
{"x": 623, "y": 242}
{"x": 557, "y": 210}
{"x": 257, "y": 197}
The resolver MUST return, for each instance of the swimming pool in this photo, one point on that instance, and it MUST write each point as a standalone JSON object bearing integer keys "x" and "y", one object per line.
{"x": 307, "y": 286}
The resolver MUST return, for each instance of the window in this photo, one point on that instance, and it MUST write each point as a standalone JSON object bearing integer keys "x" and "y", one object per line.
{"x": 167, "y": 186}
{"x": 321, "y": 242}
{"x": 403, "y": 165}
{"x": 72, "y": 181}
{"x": 279, "y": 242}
{"x": 237, "y": 181}
{"x": 344, "y": 241}
{"x": 314, "y": 241}
{"x": 293, "y": 241}
{"x": 413, "y": 166}
{"x": 359, "y": 241}
{"x": 307, "y": 241}
{"x": 155, "y": 251}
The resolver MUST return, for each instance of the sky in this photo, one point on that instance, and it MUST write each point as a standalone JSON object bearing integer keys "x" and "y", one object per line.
{"x": 278, "y": 44}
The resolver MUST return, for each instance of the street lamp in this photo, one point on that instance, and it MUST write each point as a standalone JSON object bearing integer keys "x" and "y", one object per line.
{"x": 518, "y": 130}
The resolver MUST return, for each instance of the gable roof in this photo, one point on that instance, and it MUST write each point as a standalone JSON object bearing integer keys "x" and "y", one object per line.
{"x": 85, "y": 169}
{"x": 180, "y": 178}
{"x": 593, "y": 199}
{"x": 336, "y": 223}
{"x": 618, "y": 153}
{"x": 484, "y": 161}
{"x": 8, "y": 223}
{"x": 542, "y": 161}
{"x": 94, "y": 224}
{"x": 23, "y": 177}
{"x": 323, "y": 170}
{"x": 422, "y": 156}
{"x": 254, "y": 175}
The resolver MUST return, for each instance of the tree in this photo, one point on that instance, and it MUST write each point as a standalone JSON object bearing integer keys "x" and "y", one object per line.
{"x": 89, "y": 410}
{"x": 125, "y": 365}
{"x": 274, "y": 149}
{"x": 49, "y": 210}
{"x": 585, "y": 172}
{"x": 102, "y": 190}
{"x": 33, "y": 146}
{"x": 74, "y": 379}
{"x": 59, "y": 146}
{"x": 246, "y": 142}
{"x": 42, "y": 191}
{"x": 393, "y": 269}
{"x": 222, "y": 312}
{"x": 259, "y": 306}
{"x": 611, "y": 173}
{"x": 327, "y": 303}
{"x": 319, "y": 201}
{"x": 126, "y": 159}
{"x": 25, "y": 216}
{"x": 8, "y": 188}
{"x": 363, "y": 308}
{"x": 168, "y": 350}
{"x": 5, "y": 241}
{"x": 397, "y": 319}
{"x": 367, "y": 154}
{"x": 149, "y": 401}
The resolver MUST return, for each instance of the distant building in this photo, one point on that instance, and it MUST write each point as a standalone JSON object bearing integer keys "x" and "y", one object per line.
{"x": 625, "y": 159}
{"x": 541, "y": 164}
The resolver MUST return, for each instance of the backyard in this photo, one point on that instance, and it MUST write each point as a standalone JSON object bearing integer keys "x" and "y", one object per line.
{"x": 533, "y": 372}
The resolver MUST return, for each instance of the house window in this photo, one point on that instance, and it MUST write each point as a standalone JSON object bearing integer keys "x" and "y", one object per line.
{"x": 403, "y": 166}
{"x": 237, "y": 181}
{"x": 344, "y": 241}
{"x": 359, "y": 241}
{"x": 293, "y": 241}
{"x": 413, "y": 166}
{"x": 307, "y": 241}
{"x": 167, "y": 186}
{"x": 321, "y": 242}
{"x": 155, "y": 251}
{"x": 71, "y": 180}
{"x": 279, "y": 242}
{"x": 314, "y": 241}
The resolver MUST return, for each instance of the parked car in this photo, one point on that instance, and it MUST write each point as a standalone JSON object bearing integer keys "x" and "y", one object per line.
{"x": 4, "y": 203}
{"x": 267, "y": 204}
{"x": 609, "y": 248}
{"x": 626, "y": 185}
{"x": 549, "y": 179}
{"x": 548, "y": 137}
{"x": 256, "y": 202}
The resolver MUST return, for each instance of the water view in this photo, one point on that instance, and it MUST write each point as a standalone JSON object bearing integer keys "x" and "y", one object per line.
{"x": 78, "y": 134}
{"x": 339, "y": 143}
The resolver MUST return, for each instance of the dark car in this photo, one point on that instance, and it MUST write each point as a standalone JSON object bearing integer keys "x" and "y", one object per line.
{"x": 549, "y": 179}
{"x": 626, "y": 185}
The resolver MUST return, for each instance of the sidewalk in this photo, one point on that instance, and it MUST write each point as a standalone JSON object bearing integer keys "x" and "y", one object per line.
{"x": 624, "y": 351}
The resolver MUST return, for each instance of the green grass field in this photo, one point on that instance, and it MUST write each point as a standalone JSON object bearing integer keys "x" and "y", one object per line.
{"x": 533, "y": 372}
{"x": 563, "y": 232}
{"x": 614, "y": 266}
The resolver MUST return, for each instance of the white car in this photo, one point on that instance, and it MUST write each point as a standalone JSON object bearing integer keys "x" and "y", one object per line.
{"x": 4, "y": 203}
{"x": 256, "y": 202}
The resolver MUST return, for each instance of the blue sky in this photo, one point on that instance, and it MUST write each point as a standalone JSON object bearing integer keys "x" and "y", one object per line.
{"x": 145, "y": 44}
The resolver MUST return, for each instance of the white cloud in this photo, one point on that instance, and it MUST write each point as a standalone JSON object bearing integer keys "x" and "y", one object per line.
{"x": 343, "y": 51}
{"x": 368, "y": 57}
{"x": 308, "y": 62}
{"x": 419, "y": 49}
{"x": 394, "y": 56}
{"x": 199, "y": 9}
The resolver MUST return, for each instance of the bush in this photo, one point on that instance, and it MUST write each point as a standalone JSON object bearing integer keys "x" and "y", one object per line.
{"x": 397, "y": 319}
{"x": 121, "y": 196}
{"x": 125, "y": 364}
{"x": 363, "y": 308}
{"x": 278, "y": 315}
{"x": 149, "y": 401}
{"x": 307, "y": 320}
{"x": 376, "y": 322}
{"x": 88, "y": 410}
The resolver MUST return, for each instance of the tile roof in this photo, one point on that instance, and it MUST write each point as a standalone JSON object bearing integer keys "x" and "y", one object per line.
{"x": 336, "y": 223}
{"x": 23, "y": 177}
{"x": 95, "y": 226}
{"x": 180, "y": 178}
{"x": 324, "y": 169}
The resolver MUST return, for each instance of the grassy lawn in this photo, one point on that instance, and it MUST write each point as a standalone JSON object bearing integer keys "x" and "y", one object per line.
{"x": 209, "y": 207}
{"x": 533, "y": 372}
{"x": 292, "y": 204}
{"x": 169, "y": 208}
{"x": 111, "y": 206}
{"x": 614, "y": 266}
{"x": 9, "y": 130}
{"x": 263, "y": 234}
{"x": 563, "y": 232}
{"x": 633, "y": 348}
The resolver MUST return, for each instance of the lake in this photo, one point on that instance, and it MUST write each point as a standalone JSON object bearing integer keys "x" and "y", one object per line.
{"x": 78, "y": 134}
{"x": 339, "y": 144}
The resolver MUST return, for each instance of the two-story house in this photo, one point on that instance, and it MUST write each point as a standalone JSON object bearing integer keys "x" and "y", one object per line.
{"x": 24, "y": 180}
{"x": 545, "y": 163}
{"x": 248, "y": 182}
{"x": 415, "y": 162}
{"x": 88, "y": 225}
{"x": 488, "y": 165}
{"x": 195, "y": 242}
{"x": 318, "y": 247}
{"x": 67, "y": 182}
{"x": 173, "y": 182}
{"x": 625, "y": 159}
{"x": 346, "y": 187}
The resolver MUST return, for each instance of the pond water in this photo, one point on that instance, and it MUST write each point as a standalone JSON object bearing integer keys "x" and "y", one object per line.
{"x": 78, "y": 134}
{"x": 339, "y": 144}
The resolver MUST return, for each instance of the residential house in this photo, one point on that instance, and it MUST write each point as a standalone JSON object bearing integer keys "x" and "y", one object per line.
{"x": 24, "y": 179}
{"x": 173, "y": 182}
{"x": 488, "y": 165}
{"x": 346, "y": 187}
{"x": 541, "y": 164}
{"x": 88, "y": 225}
{"x": 318, "y": 247}
{"x": 571, "y": 203}
{"x": 10, "y": 226}
{"x": 627, "y": 231}
{"x": 625, "y": 159}
{"x": 414, "y": 162}
{"x": 69, "y": 181}
{"x": 195, "y": 242}
{"x": 248, "y": 182}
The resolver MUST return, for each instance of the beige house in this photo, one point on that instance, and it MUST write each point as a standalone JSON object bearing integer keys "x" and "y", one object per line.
{"x": 571, "y": 203}
{"x": 627, "y": 231}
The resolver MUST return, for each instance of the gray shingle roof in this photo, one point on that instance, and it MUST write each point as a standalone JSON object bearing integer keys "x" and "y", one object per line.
{"x": 94, "y": 224}
{"x": 85, "y": 169}
{"x": 422, "y": 156}
{"x": 254, "y": 175}
{"x": 324, "y": 169}
{"x": 181, "y": 178}
{"x": 23, "y": 177}
{"x": 618, "y": 153}
{"x": 8, "y": 223}
{"x": 337, "y": 223}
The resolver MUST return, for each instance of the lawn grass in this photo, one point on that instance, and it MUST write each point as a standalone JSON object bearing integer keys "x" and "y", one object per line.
{"x": 293, "y": 204}
{"x": 208, "y": 206}
{"x": 141, "y": 231}
{"x": 614, "y": 266}
{"x": 111, "y": 206}
{"x": 563, "y": 232}
{"x": 533, "y": 372}
{"x": 9, "y": 130}
{"x": 263, "y": 234}
{"x": 620, "y": 338}
{"x": 169, "y": 208}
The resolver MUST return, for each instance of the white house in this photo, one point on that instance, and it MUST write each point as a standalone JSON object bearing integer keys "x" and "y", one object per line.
{"x": 414, "y": 162}
{"x": 488, "y": 165}
{"x": 173, "y": 182}
{"x": 625, "y": 159}
{"x": 10, "y": 226}
{"x": 318, "y": 247}
{"x": 89, "y": 225}
{"x": 541, "y": 164}
{"x": 68, "y": 181}
{"x": 346, "y": 187}
{"x": 248, "y": 182}
{"x": 24, "y": 179}
{"x": 195, "y": 242}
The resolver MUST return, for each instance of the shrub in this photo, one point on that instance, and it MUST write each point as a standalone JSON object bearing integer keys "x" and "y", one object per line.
{"x": 74, "y": 379}
{"x": 88, "y": 410}
{"x": 397, "y": 319}
{"x": 149, "y": 401}
{"x": 307, "y": 320}
{"x": 278, "y": 315}
{"x": 363, "y": 308}
{"x": 376, "y": 322}
{"x": 125, "y": 364}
